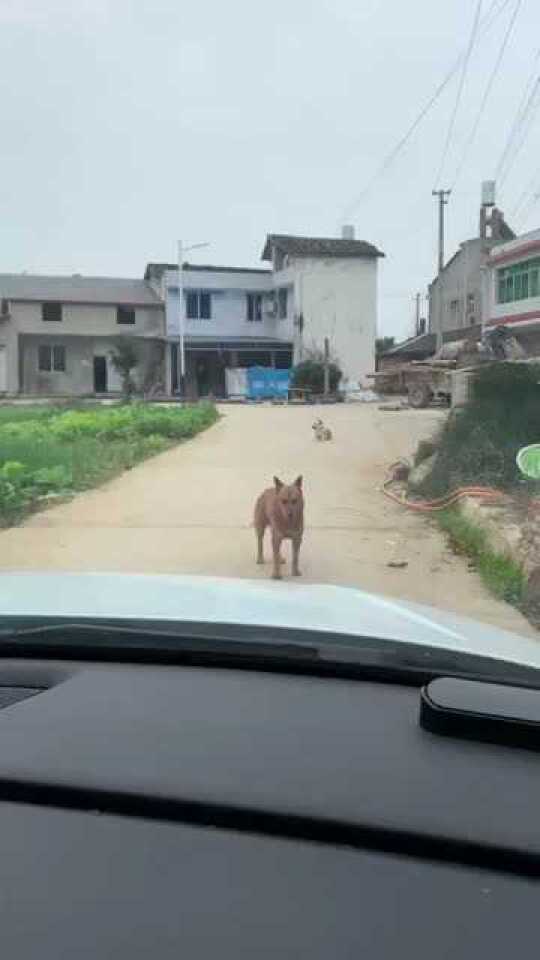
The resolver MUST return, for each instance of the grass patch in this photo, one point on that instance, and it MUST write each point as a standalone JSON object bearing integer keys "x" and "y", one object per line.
{"x": 501, "y": 575}
{"x": 59, "y": 452}
{"x": 14, "y": 414}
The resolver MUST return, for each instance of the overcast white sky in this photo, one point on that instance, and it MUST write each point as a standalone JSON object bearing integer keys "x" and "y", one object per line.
{"x": 128, "y": 123}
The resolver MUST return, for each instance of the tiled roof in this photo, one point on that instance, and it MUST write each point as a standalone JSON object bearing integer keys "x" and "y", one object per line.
{"x": 156, "y": 269}
{"x": 318, "y": 247}
{"x": 77, "y": 289}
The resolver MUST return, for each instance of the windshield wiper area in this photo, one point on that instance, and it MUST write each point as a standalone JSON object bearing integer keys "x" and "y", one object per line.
{"x": 105, "y": 637}
{"x": 251, "y": 647}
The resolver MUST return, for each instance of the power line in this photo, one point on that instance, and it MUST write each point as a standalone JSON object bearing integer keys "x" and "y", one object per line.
{"x": 526, "y": 129}
{"x": 519, "y": 119}
{"x": 520, "y": 211}
{"x": 461, "y": 84}
{"x": 497, "y": 7}
{"x": 523, "y": 196}
{"x": 487, "y": 91}
{"x": 528, "y": 209}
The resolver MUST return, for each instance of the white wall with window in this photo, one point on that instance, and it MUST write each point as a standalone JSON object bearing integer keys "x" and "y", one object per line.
{"x": 222, "y": 303}
{"x": 513, "y": 282}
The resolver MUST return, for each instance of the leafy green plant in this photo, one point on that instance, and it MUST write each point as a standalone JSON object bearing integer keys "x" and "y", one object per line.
{"x": 310, "y": 375}
{"x": 125, "y": 358}
{"x": 76, "y": 449}
{"x": 52, "y": 478}
{"x": 13, "y": 471}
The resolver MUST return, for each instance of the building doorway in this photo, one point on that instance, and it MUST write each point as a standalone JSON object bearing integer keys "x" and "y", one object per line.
{"x": 209, "y": 370}
{"x": 100, "y": 374}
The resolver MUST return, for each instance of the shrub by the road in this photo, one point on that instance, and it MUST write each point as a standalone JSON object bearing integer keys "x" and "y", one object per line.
{"x": 479, "y": 443}
{"x": 53, "y": 452}
{"x": 309, "y": 375}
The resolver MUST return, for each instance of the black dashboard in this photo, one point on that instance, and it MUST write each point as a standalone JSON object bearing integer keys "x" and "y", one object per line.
{"x": 198, "y": 812}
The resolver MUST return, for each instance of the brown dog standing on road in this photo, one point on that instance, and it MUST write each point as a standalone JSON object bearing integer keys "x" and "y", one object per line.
{"x": 281, "y": 508}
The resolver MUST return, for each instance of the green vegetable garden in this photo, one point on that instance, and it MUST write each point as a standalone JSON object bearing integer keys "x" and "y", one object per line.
{"x": 51, "y": 452}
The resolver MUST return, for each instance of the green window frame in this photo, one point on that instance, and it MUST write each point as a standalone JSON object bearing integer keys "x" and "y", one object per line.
{"x": 518, "y": 282}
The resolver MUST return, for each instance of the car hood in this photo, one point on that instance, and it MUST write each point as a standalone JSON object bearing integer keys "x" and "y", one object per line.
{"x": 325, "y": 609}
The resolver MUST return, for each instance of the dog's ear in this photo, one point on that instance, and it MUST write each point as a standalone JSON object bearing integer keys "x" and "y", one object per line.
{"x": 298, "y": 482}
{"x": 278, "y": 484}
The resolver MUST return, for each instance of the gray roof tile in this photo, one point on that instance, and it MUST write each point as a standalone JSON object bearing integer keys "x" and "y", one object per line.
{"x": 318, "y": 247}
{"x": 77, "y": 289}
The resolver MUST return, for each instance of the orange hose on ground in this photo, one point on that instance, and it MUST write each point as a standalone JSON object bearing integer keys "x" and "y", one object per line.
{"x": 440, "y": 503}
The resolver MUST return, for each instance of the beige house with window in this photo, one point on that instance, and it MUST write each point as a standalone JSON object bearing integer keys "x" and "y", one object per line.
{"x": 57, "y": 334}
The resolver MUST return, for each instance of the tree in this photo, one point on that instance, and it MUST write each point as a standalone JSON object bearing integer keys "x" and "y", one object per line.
{"x": 383, "y": 344}
{"x": 309, "y": 374}
{"x": 125, "y": 359}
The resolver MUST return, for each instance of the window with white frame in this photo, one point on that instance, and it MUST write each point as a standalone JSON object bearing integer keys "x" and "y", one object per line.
{"x": 52, "y": 358}
{"x": 254, "y": 307}
{"x": 198, "y": 305}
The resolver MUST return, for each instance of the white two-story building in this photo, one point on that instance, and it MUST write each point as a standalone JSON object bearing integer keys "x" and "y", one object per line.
{"x": 315, "y": 288}
{"x": 230, "y": 321}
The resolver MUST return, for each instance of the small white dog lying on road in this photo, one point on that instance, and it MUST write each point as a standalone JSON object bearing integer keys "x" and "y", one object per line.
{"x": 321, "y": 432}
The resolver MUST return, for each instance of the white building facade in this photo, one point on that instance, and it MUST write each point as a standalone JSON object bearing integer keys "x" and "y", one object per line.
{"x": 316, "y": 289}
{"x": 512, "y": 289}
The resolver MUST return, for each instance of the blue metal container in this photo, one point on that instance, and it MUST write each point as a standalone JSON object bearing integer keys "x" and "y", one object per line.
{"x": 266, "y": 383}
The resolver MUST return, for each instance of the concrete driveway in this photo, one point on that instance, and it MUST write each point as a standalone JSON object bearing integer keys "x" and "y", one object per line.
{"x": 189, "y": 510}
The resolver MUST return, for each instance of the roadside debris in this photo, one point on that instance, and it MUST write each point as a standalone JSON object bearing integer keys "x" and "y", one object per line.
{"x": 397, "y": 559}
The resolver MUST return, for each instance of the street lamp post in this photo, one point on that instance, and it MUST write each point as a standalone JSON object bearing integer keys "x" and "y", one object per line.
{"x": 181, "y": 360}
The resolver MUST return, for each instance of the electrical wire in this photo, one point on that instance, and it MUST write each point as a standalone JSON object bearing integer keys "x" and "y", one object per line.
{"x": 459, "y": 92}
{"x": 517, "y": 209}
{"x": 529, "y": 207}
{"x": 494, "y": 12}
{"x": 487, "y": 92}
{"x": 532, "y": 109}
{"x": 520, "y": 117}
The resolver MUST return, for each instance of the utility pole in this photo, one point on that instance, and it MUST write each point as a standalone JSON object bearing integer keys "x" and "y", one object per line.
{"x": 181, "y": 355}
{"x": 417, "y": 315}
{"x": 326, "y": 367}
{"x": 441, "y": 195}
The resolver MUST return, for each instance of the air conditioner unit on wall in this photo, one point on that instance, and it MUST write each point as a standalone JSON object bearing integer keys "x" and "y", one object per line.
{"x": 270, "y": 308}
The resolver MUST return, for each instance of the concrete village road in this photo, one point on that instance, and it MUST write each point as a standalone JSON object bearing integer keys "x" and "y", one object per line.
{"x": 189, "y": 510}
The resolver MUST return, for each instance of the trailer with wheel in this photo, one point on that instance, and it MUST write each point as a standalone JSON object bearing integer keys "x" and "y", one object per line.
{"x": 426, "y": 382}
